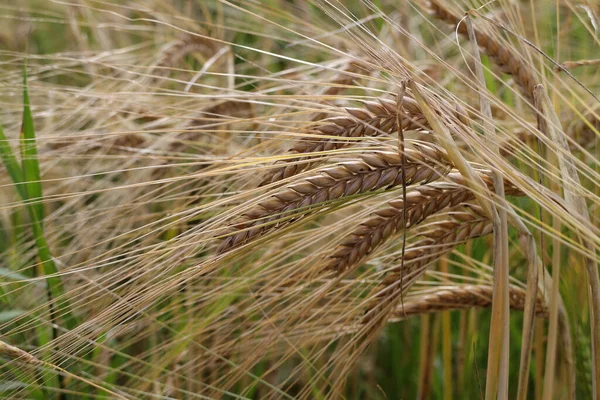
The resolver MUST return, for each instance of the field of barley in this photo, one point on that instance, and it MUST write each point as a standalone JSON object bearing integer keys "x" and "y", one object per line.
{"x": 299, "y": 199}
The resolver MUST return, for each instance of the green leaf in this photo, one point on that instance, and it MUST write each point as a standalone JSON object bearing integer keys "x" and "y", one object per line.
{"x": 28, "y": 185}
{"x": 29, "y": 157}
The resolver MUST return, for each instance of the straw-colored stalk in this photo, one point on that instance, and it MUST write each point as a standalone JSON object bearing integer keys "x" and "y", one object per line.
{"x": 498, "y": 343}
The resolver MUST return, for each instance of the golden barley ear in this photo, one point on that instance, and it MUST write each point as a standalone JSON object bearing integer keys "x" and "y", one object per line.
{"x": 508, "y": 59}
{"x": 422, "y": 201}
{"x": 375, "y": 119}
{"x": 379, "y": 170}
{"x": 457, "y": 297}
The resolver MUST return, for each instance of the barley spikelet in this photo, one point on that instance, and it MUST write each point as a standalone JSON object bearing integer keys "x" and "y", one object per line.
{"x": 375, "y": 119}
{"x": 505, "y": 58}
{"x": 422, "y": 201}
{"x": 459, "y": 297}
{"x": 457, "y": 228}
{"x": 424, "y": 163}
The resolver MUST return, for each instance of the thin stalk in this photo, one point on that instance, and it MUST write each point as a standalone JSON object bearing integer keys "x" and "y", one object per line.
{"x": 500, "y": 301}
{"x": 551, "y": 349}
{"x": 566, "y": 344}
{"x": 446, "y": 343}
{"x": 423, "y": 351}
{"x": 400, "y": 100}
{"x": 539, "y": 358}
{"x": 428, "y": 344}
{"x": 461, "y": 352}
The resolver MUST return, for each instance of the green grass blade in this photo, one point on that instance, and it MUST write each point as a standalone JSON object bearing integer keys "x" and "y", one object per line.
{"x": 28, "y": 185}
{"x": 29, "y": 156}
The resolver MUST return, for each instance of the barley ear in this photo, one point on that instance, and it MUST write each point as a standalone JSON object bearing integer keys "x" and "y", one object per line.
{"x": 506, "y": 58}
